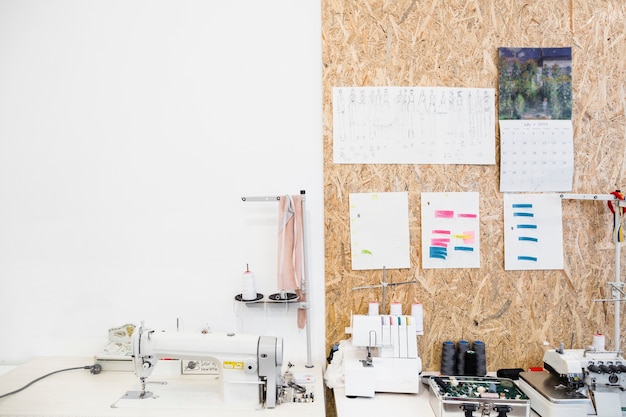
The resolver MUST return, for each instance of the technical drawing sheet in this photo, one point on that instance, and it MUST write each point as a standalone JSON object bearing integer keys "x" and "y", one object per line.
{"x": 413, "y": 125}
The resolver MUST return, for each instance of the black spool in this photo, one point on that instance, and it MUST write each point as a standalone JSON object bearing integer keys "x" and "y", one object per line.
{"x": 448, "y": 358}
{"x": 481, "y": 358}
{"x": 461, "y": 350}
{"x": 470, "y": 362}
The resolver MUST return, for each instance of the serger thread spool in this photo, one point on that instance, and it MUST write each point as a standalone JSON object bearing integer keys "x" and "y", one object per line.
{"x": 470, "y": 363}
{"x": 481, "y": 358}
{"x": 417, "y": 312}
{"x": 373, "y": 309}
{"x": 248, "y": 287}
{"x": 598, "y": 342}
{"x": 448, "y": 358}
{"x": 395, "y": 309}
{"x": 461, "y": 349}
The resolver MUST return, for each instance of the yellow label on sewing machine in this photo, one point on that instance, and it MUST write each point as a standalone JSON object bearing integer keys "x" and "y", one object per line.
{"x": 232, "y": 365}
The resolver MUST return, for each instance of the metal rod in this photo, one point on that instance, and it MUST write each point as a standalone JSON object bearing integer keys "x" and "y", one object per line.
{"x": 616, "y": 224}
{"x": 616, "y": 286}
{"x": 601, "y": 197}
{"x": 391, "y": 284}
{"x": 305, "y": 286}
{"x": 265, "y": 198}
{"x": 384, "y": 284}
{"x": 363, "y": 287}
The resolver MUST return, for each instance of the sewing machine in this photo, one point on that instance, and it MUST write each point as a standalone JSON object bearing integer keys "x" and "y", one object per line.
{"x": 381, "y": 356}
{"x": 579, "y": 382}
{"x": 567, "y": 366}
{"x": 249, "y": 366}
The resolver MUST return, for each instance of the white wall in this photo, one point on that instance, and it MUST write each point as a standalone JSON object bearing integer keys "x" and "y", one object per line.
{"x": 129, "y": 131}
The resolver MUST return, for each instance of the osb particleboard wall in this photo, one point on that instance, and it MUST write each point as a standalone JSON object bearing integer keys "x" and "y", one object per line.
{"x": 454, "y": 44}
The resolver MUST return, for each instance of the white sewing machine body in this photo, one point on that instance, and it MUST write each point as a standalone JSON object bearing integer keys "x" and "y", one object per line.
{"x": 597, "y": 376}
{"x": 249, "y": 366}
{"x": 381, "y": 356}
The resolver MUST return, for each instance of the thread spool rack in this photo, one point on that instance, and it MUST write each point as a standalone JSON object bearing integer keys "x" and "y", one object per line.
{"x": 277, "y": 299}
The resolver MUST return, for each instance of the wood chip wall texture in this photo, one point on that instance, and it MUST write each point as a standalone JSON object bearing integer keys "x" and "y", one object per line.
{"x": 455, "y": 43}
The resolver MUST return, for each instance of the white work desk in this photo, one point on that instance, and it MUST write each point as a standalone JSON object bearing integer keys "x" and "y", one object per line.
{"x": 385, "y": 404}
{"x": 396, "y": 405}
{"x": 81, "y": 394}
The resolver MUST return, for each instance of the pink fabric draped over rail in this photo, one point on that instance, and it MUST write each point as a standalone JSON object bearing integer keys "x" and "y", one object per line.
{"x": 290, "y": 247}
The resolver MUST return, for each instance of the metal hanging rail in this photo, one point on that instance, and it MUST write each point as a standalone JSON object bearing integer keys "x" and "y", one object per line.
{"x": 305, "y": 305}
{"x": 267, "y": 198}
{"x": 616, "y": 287}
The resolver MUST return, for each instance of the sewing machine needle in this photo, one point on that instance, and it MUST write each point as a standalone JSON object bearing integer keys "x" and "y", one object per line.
{"x": 143, "y": 388}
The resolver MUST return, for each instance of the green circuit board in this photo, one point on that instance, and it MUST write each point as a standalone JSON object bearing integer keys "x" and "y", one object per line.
{"x": 476, "y": 387}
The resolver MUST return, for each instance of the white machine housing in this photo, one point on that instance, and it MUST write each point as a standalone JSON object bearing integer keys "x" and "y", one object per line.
{"x": 381, "y": 356}
{"x": 249, "y": 365}
{"x": 601, "y": 373}
{"x": 566, "y": 364}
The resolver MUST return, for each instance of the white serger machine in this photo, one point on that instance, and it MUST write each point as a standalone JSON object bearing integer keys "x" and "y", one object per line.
{"x": 591, "y": 382}
{"x": 381, "y": 356}
{"x": 249, "y": 366}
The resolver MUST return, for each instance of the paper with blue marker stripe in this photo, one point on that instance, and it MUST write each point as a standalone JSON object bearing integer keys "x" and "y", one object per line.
{"x": 533, "y": 232}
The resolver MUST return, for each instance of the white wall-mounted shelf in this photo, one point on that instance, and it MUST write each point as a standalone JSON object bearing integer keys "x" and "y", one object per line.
{"x": 278, "y": 298}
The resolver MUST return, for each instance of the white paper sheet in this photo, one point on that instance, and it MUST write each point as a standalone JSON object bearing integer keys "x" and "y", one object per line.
{"x": 533, "y": 232}
{"x": 450, "y": 230}
{"x": 379, "y": 230}
{"x": 536, "y": 155}
{"x": 413, "y": 125}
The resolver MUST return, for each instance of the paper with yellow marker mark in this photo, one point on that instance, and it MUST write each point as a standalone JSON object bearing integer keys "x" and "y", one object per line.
{"x": 379, "y": 230}
{"x": 467, "y": 236}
